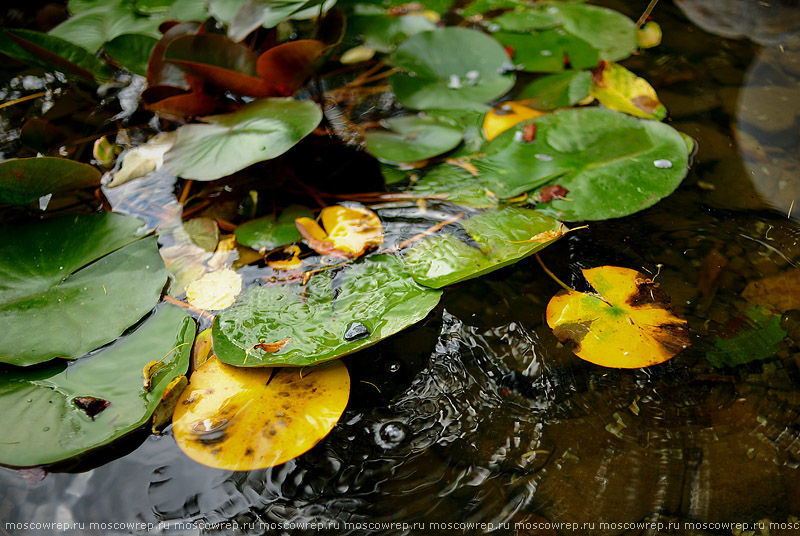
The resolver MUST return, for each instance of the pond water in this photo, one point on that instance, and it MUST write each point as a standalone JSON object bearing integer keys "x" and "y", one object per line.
{"x": 478, "y": 415}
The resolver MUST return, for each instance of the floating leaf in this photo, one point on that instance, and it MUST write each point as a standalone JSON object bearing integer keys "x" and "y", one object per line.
{"x": 268, "y": 13}
{"x": 503, "y": 237}
{"x": 203, "y": 232}
{"x": 258, "y": 131}
{"x": 42, "y": 136}
{"x": 619, "y": 89}
{"x": 245, "y": 419}
{"x": 348, "y": 231}
{"x": 610, "y": 32}
{"x": 52, "y": 52}
{"x": 438, "y": 74}
{"x": 376, "y": 293}
{"x": 270, "y": 232}
{"x": 612, "y": 164}
{"x": 383, "y": 34}
{"x": 557, "y": 90}
{"x": 215, "y": 290}
{"x": 48, "y": 412}
{"x": 506, "y": 115}
{"x": 143, "y": 159}
{"x": 24, "y": 180}
{"x": 412, "y": 138}
{"x": 629, "y": 323}
{"x": 755, "y": 336}
{"x": 132, "y": 51}
{"x": 73, "y": 283}
{"x": 649, "y": 35}
{"x": 291, "y": 261}
{"x": 103, "y": 22}
{"x": 166, "y": 407}
{"x": 548, "y": 51}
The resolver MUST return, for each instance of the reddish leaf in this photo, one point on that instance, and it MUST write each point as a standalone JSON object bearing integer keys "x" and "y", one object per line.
{"x": 174, "y": 101}
{"x": 529, "y": 133}
{"x": 161, "y": 73}
{"x": 555, "y": 191}
{"x": 287, "y": 66}
{"x": 41, "y": 135}
{"x": 510, "y": 51}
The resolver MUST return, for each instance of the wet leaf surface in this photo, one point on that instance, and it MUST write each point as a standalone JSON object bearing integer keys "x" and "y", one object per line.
{"x": 60, "y": 411}
{"x": 348, "y": 231}
{"x": 245, "y": 419}
{"x": 270, "y": 232}
{"x": 375, "y": 292}
{"x": 90, "y": 276}
{"x": 751, "y": 336}
{"x": 439, "y": 75}
{"x": 506, "y": 115}
{"x": 24, "y": 180}
{"x": 557, "y": 90}
{"x": 215, "y": 290}
{"x": 501, "y": 237}
{"x": 617, "y": 88}
{"x": 260, "y": 130}
{"x": 629, "y": 323}
{"x": 413, "y": 138}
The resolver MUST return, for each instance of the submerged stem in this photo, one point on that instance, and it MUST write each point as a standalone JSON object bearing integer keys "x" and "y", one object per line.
{"x": 551, "y": 274}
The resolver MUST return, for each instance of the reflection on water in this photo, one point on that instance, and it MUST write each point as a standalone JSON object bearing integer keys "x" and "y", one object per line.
{"x": 479, "y": 414}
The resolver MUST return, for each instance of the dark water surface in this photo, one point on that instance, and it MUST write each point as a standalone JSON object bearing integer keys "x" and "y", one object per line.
{"x": 478, "y": 414}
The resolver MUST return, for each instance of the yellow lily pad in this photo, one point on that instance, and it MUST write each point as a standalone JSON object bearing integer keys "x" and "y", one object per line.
{"x": 215, "y": 290}
{"x": 629, "y": 323}
{"x": 506, "y": 115}
{"x": 348, "y": 231}
{"x": 617, "y": 88}
{"x": 244, "y": 418}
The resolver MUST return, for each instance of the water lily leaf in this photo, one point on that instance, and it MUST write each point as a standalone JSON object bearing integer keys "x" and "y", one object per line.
{"x": 143, "y": 159}
{"x": 132, "y": 51}
{"x": 619, "y": 89}
{"x": 527, "y": 20}
{"x": 24, "y": 180}
{"x": 373, "y": 300}
{"x": 60, "y": 411}
{"x": 437, "y": 73}
{"x": 288, "y": 65}
{"x": 270, "y": 232}
{"x": 215, "y": 290}
{"x": 629, "y": 323}
{"x": 291, "y": 259}
{"x": 73, "y": 283}
{"x": 348, "y": 231}
{"x": 258, "y": 131}
{"x": 548, "y": 51}
{"x": 610, "y": 32}
{"x": 50, "y": 52}
{"x": 506, "y": 115}
{"x": 203, "y": 232}
{"x": 649, "y": 35}
{"x": 457, "y": 185}
{"x": 753, "y": 336}
{"x": 557, "y": 90}
{"x": 383, "y": 34}
{"x": 611, "y": 163}
{"x": 244, "y": 419}
{"x": 502, "y": 237}
{"x": 166, "y": 407}
{"x": 268, "y": 13}
{"x": 412, "y": 138}
{"x": 42, "y": 136}
{"x": 105, "y": 21}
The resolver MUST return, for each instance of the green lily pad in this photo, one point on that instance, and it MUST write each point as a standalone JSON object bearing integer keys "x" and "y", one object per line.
{"x": 557, "y": 90}
{"x": 24, "y": 180}
{"x": 611, "y": 164}
{"x": 224, "y": 144}
{"x": 270, "y": 232}
{"x": 383, "y": 33}
{"x": 60, "y": 411}
{"x": 268, "y": 13}
{"x": 93, "y": 27}
{"x": 413, "y": 137}
{"x": 457, "y": 184}
{"x": 132, "y": 51}
{"x": 544, "y": 51}
{"x": 330, "y": 317}
{"x": 73, "y": 283}
{"x": 450, "y": 68}
{"x": 51, "y": 52}
{"x": 611, "y": 33}
{"x": 503, "y": 237}
{"x": 526, "y": 20}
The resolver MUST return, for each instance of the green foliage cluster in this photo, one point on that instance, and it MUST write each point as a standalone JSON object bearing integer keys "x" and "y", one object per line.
{"x": 240, "y": 83}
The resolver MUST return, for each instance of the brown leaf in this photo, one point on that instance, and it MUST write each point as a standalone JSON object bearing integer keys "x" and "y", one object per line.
{"x": 90, "y": 405}
{"x": 554, "y": 191}
{"x": 272, "y": 347}
{"x": 529, "y": 133}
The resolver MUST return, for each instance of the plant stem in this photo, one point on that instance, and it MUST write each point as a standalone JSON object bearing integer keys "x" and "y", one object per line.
{"x": 646, "y": 13}
{"x": 551, "y": 274}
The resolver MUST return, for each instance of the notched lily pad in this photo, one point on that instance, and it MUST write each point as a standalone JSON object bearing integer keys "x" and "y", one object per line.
{"x": 316, "y": 317}
{"x": 502, "y": 237}
{"x": 73, "y": 283}
{"x": 629, "y": 323}
{"x": 60, "y": 411}
{"x": 24, "y": 180}
{"x": 242, "y": 419}
{"x": 270, "y": 232}
{"x": 413, "y": 138}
